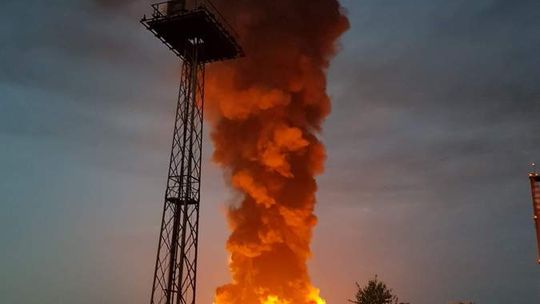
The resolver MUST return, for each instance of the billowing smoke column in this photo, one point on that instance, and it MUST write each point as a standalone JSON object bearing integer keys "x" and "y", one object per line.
{"x": 266, "y": 110}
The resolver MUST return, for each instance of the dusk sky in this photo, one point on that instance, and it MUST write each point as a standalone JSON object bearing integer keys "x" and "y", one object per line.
{"x": 436, "y": 116}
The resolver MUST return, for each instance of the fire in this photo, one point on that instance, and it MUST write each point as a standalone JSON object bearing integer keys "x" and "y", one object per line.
{"x": 315, "y": 298}
{"x": 266, "y": 111}
{"x": 274, "y": 300}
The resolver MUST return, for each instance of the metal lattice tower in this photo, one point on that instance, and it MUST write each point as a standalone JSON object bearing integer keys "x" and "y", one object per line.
{"x": 198, "y": 34}
{"x": 534, "y": 178}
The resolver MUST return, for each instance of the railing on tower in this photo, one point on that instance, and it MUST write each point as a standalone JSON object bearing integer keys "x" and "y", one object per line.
{"x": 171, "y": 8}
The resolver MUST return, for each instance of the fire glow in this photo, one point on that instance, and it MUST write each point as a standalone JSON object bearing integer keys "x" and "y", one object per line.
{"x": 266, "y": 111}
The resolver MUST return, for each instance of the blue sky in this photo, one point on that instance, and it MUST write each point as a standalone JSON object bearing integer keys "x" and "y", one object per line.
{"x": 435, "y": 118}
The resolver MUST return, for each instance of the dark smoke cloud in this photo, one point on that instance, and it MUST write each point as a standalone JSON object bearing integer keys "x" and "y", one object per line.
{"x": 115, "y": 3}
{"x": 267, "y": 110}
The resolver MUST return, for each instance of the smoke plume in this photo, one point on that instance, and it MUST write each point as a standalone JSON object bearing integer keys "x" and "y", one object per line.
{"x": 266, "y": 110}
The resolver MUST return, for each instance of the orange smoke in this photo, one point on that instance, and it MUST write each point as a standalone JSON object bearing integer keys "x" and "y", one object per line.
{"x": 266, "y": 110}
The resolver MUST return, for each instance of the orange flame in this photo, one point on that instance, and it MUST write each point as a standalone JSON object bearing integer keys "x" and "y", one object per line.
{"x": 266, "y": 110}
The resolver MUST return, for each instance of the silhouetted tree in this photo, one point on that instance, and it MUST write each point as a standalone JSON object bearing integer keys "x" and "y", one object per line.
{"x": 375, "y": 292}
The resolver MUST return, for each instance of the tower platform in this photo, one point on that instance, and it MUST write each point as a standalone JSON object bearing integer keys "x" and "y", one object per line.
{"x": 177, "y": 25}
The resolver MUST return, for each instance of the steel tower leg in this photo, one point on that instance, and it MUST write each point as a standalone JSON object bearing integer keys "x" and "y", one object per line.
{"x": 176, "y": 262}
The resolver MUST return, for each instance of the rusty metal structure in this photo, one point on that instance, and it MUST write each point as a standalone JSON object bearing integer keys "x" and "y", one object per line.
{"x": 534, "y": 178}
{"x": 196, "y": 32}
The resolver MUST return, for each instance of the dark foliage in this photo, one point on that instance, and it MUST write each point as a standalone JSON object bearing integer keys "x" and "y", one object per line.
{"x": 375, "y": 292}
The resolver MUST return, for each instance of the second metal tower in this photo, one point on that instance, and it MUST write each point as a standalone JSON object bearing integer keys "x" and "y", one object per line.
{"x": 534, "y": 178}
{"x": 198, "y": 34}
